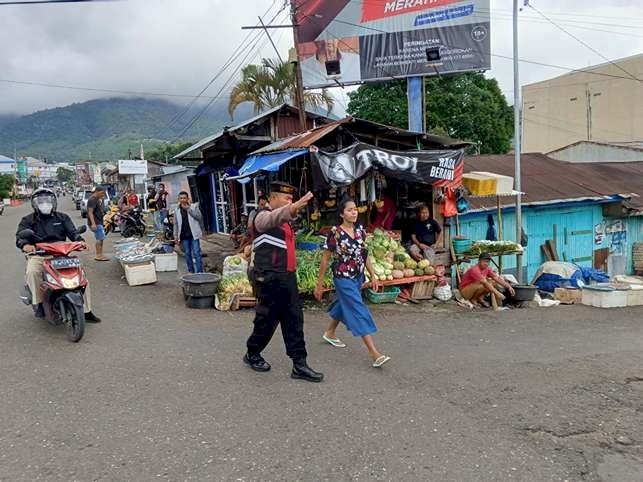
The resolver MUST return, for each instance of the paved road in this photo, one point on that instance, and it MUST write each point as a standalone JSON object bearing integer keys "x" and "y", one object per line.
{"x": 159, "y": 392}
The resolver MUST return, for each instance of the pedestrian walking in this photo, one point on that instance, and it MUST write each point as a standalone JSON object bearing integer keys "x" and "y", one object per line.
{"x": 188, "y": 231}
{"x": 274, "y": 277}
{"x": 161, "y": 207}
{"x": 95, "y": 215}
{"x": 346, "y": 244}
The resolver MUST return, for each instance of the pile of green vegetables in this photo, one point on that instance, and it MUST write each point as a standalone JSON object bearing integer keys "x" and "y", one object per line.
{"x": 233, "y": 285}
{"x": 493, "y": 247}
{"x": 308, "y": 263}
{"x": 308, "y": 236}
{"x": 391, "y": 261}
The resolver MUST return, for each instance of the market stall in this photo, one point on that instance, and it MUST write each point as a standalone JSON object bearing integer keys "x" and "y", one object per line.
{"x": 494, "y": 187}
{"x": 393, "y": 174}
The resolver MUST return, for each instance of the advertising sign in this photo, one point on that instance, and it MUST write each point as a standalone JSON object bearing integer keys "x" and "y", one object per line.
{"x": 22, "y": 170}
{"x": 83, "y": 174}
{"x": 343, "y": 42}
{"x": 132, "y": 167}
{"x": 351, "y": 164}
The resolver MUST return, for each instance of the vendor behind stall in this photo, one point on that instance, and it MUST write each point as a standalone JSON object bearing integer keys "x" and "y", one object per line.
{"x": 424, "y": 235}
{"x": 385, "y": 212}
{"x": 480, "y": 281}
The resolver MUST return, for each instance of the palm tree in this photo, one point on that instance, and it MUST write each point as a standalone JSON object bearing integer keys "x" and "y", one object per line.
{"x": 272, "y": 84}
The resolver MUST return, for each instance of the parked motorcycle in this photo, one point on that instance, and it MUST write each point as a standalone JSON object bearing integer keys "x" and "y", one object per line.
{"x": 63, "y": 284}
{"x": 113, "y": 219}
{"x": 133, "y": 224}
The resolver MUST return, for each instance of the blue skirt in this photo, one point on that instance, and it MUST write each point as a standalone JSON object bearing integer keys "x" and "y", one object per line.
{"x": 349, "y": 307}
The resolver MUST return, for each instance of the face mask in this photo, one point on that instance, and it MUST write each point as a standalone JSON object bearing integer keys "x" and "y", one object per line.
{"x": 45, "y": 207}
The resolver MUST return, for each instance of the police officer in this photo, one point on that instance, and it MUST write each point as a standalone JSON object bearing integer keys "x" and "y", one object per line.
{"x": 50, "y": 226}
{"x": 275, "y": 281}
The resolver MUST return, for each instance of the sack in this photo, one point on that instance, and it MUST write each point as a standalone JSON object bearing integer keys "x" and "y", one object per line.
{"x": 234, "y": 265}
{"x": 443, "y": 293}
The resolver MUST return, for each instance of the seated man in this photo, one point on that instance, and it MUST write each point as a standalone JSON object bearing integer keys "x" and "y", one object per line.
{"x": 424, "y": 235}
{"x": 480, "y": 281}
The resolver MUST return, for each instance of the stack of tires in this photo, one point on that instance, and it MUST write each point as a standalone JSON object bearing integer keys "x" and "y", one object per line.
{"x": 637, "y": 257}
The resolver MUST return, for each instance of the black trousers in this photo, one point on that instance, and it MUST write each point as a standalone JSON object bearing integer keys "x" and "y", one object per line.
{"x": 278, "y": 302}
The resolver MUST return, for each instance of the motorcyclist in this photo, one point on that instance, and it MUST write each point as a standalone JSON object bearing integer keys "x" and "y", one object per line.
{"x": 50, "y": 226}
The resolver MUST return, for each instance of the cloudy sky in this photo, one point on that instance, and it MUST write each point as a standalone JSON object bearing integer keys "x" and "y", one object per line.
{"x": 176, "y": 46}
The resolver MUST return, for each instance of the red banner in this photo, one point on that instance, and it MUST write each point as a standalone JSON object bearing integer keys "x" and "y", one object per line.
{"x": 378, "y": 9}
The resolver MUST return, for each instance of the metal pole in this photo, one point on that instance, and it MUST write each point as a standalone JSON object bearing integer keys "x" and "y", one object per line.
{"x": 299, "y": 91}
{"x": 517, "y": 138}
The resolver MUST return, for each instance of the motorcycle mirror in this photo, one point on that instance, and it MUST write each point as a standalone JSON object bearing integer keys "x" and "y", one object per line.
{"x": 26, "y": 234}
{"x": 81, "y": 229}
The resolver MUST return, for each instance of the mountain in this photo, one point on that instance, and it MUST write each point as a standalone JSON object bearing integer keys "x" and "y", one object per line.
{"x": 106, "y": 129}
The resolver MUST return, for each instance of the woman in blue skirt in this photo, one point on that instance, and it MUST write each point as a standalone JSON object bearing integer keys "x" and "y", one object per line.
{"x": 346, "y": 244}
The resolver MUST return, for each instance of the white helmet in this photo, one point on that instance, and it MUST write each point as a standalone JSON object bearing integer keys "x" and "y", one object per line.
{"x": 44, "y": 201}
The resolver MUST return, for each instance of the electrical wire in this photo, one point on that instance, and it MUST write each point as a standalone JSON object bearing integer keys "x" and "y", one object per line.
{"x": 585, "y": 44}
{"x": 238, "y": 51}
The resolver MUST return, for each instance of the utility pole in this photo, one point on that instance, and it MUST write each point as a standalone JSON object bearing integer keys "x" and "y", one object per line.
{"x": 299, "y": 91}
{"x": 517, "y": 138}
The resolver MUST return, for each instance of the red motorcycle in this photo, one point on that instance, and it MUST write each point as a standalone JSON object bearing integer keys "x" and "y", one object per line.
{"x": 63, "y": 284}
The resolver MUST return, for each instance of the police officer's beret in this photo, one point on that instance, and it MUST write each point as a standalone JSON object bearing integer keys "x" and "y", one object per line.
{"x": 283, "y": 187}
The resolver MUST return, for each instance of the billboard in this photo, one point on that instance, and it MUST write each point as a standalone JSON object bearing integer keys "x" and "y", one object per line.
{"x": 343, "y": 42}
{"x": 132, "y": 167}
{"x": 83, "y": 174}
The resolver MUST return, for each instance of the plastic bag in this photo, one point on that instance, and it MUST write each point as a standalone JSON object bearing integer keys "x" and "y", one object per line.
{"x": 235, "y": 265}
{"x": 443, "y": 293}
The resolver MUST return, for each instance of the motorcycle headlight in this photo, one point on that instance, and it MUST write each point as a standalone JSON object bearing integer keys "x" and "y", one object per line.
{"x": 71, "y": 283}
{"x": 51, "y": 280}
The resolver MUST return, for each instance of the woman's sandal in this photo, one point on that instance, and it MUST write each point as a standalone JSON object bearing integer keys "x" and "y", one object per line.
{"x": 336, "y": 342}
{"x": 381, "y": 361}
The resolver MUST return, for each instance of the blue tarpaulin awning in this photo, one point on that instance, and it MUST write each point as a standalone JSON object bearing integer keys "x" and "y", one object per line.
{"x": 270, "y": 162}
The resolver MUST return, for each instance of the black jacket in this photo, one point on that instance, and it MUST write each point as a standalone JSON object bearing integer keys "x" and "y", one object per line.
{"x": 48, "y": 229}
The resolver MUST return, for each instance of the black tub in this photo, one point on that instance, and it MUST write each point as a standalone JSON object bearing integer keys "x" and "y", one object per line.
{"x": 524, "y": 292}
{"x": 199, "y": 289}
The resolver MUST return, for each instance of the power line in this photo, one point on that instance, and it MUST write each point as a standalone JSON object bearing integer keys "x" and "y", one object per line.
{"x": 569, "y": 69}
{"x": 94, "y": 89}
{"x": 238, "y": 51}
{"x": 584, "y": 43}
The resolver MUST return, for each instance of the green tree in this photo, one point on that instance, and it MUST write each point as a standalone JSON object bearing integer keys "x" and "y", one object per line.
{"x": 65, "y": 175}
{"x": 166, "y": 152}
{"x": 7, "y": 183}
{"x": 470, "y": 107}
{"x": 272, "y": 84}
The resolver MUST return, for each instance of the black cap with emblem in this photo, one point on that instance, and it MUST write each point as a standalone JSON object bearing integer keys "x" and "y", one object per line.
{"x": 282, "y": 187}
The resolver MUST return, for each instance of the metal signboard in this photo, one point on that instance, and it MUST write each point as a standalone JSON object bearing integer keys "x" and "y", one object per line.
{"x": 132, "y": 167}
{"x": 343, "y": 42}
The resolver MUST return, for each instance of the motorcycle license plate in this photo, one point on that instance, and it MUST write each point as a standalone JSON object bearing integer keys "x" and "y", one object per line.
{"x": 63, "y": 263}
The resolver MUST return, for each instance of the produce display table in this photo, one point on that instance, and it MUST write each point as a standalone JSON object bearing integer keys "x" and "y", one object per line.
{"x": 406, "y": 281}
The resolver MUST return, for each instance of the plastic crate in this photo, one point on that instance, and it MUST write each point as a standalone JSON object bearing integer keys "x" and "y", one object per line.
{"x": 308, "y": 246}
{"x": 388, "y": 295}
{"x": 479, "y": 185}
{"x": 166, "y": 262}
{"x": 140, "y": 274}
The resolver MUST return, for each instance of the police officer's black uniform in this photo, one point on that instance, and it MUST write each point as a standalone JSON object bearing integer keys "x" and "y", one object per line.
{"x": 275, "y": 281}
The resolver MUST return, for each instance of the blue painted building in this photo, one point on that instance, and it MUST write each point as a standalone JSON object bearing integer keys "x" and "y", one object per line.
{"x": 592, "y": 211}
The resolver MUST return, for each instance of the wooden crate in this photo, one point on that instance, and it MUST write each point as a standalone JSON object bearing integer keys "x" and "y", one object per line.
{"x": 239, "y": 302}
{"x": 423, "y": 290}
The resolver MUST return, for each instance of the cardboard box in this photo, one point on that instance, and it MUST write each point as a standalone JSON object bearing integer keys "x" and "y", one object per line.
{"x": 568, "y": 296}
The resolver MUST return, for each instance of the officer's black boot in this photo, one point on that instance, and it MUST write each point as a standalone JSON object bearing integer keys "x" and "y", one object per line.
{"x": 256, "y": 362}
{"x": 301, "y": 370}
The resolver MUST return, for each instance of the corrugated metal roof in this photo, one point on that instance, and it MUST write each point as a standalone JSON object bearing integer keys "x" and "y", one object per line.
{"x": 309, "y": 138}
{"x": 207, "y": 141}
{"x": 547, "y": 180}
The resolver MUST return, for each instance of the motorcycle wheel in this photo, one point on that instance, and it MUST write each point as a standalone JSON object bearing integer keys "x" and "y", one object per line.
{"x": 74, "y": 321}
{"x": 128, "y": 232}
{"x": 141, "y": 231}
